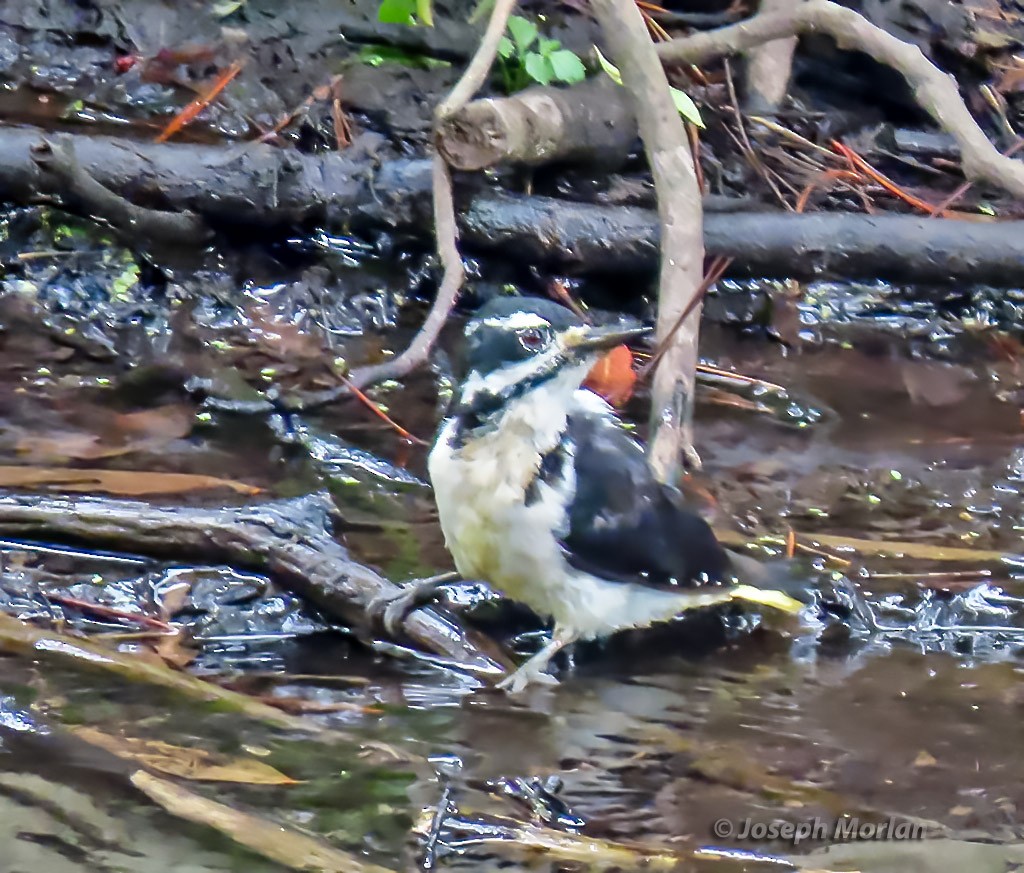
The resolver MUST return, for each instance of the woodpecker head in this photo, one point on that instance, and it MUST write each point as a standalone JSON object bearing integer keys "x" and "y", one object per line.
{"x": 521, "y": 349}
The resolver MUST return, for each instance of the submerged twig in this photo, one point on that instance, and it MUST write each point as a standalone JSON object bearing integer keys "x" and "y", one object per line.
{"x": 281, "y": 844}
{"x": 21, "y": 637}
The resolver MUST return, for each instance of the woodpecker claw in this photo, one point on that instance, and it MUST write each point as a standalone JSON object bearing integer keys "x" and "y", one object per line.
{"x": 391, "y": 608}
{"x": 517, "y": 682}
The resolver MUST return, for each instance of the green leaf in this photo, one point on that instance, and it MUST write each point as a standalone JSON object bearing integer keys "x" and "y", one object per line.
{"x": 397, "y": 12}
{"x": 686, "y": 107}
{"x": 567, "y": 67}
{"x": 538, "y": 68}
{"x": 505, "y": 47}
{"x": 608, "y": 67}
{"x": 547, "y": 46}
{"x": 425, "y": 12}
{"x": 523, "y": 31}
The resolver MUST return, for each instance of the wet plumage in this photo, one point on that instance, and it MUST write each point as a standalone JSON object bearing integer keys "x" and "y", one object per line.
{"x": 542, "y": 493}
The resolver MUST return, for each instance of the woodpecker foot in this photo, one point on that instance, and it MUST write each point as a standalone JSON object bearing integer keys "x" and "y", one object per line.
{"x": 393, "y": 607}
{"x": 517, "y": 682}
{"x": 532, "y": 672}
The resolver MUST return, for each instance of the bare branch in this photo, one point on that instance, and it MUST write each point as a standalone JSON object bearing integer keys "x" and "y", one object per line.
{"x": 936, "y": 91}
{"x": 444, "y": 212}
{"x": 769, "y": 65}
{"x": 680, "y": 218}
{"x": 64, "y": 176}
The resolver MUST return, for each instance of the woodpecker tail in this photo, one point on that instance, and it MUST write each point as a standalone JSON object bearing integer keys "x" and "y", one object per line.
{"x": 770, "y": 584}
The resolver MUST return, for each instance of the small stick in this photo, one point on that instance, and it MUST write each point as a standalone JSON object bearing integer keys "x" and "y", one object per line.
{"x": 190, "y": 112}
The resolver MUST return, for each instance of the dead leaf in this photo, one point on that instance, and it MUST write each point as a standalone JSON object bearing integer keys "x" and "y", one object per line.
{"x": 293, "y": 849}
{"x": 118, "y": 434}
{"x": 933, "y": 383}
{"x": 613, "y": 376}
{"x": 925, "y": 759}
{"x": 174, "y": 649}
{"x": 283, "y": 340}
{"x": 132, "y": 483}
{"x": 195, "y": 764}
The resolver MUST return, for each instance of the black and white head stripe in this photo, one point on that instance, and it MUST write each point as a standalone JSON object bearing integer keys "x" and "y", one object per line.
{"x": 513, "y": 345}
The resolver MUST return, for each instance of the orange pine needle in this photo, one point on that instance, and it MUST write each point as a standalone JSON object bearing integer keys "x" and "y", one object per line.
{"x": 189, "y": 113}
{"x": 790, "y": 543}
{"x": 382, "y": 415}
{"x": 860, "y": 164}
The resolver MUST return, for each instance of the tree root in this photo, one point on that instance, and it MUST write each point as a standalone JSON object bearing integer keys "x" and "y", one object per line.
{"x": 769, "y": 66}
{"x": 65, "y": 177}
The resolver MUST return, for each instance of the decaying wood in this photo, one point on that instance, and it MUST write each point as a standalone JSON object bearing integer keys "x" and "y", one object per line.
{"x": 287, "y": 539}
{"x": 900, "y": 248}
{"x": 264, "y": 186}
{"x": 591, "y": 123}
{"x": 936, "y": 91}
{"x": 682, "y": 242}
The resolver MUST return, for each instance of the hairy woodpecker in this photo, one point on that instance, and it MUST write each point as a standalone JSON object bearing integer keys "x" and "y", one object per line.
{"x": 543, "y": 494}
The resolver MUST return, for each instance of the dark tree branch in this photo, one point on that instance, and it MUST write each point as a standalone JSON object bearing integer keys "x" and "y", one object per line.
{"x": 79, "y": 192}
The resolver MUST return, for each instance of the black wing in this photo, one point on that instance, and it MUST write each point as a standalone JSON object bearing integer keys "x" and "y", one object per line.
{"x": 624, "y": 525}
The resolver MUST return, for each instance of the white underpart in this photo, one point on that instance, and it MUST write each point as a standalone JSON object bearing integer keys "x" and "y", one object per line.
{"x": 495, "y": 536}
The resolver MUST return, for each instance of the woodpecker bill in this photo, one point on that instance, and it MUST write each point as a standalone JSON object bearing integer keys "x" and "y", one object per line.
{"x": 543, "y": 494}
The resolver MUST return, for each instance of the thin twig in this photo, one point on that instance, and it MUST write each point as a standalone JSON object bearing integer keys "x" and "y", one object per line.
{"x": 746, "y": 147}
{"x": 936, "y": 91}
{"x": 445, "y": 226}
{"x": 714, "y": 273}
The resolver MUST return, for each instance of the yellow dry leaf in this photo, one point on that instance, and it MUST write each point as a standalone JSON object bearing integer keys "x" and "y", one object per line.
{"x": 925, "y": 759}
{"x": 195, "y": 764}
{"x": 132, "y": 483}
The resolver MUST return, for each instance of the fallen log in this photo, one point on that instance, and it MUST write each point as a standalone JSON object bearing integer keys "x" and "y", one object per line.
{"x": 591, "y": 123}
{"x": 898, "y": 248}
{"x": 260, "y": 185}
{"x": 287, "y": 539}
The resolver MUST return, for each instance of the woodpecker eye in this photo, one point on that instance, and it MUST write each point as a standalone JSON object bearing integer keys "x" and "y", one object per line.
{"x": 532, "y": 338}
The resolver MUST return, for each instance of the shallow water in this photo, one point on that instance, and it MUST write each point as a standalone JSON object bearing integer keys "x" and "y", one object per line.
{"x": 656, "y": 735}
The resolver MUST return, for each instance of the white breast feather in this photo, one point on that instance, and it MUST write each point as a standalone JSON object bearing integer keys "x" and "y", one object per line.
{"x": 494, "y": 536}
